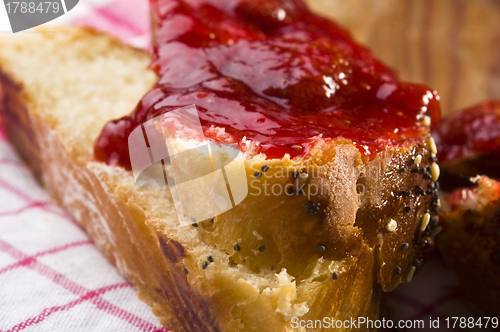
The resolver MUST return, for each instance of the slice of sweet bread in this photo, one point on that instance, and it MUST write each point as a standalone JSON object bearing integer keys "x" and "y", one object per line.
{"x": 274, "y": 259}
{"x": 470, "y": 241}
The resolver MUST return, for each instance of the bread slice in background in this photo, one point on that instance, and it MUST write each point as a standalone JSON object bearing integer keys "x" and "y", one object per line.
{"x": 472, "y": 228}
{"x": 59, "y": 88}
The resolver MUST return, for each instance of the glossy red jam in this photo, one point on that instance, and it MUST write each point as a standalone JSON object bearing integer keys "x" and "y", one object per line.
{"x": 275, "y": 73}
{"x": 470, "y": 133}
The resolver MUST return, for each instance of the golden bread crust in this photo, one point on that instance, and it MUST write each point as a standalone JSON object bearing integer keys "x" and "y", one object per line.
{"x": 244, "y": 290}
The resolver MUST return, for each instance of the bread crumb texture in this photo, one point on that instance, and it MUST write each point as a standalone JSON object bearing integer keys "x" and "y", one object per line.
{"x": 273, "y": 257}
{"x": 77, "y": 79}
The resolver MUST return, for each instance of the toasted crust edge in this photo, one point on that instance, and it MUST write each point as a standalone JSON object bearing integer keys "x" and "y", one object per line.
{"x": 154, "y": 257}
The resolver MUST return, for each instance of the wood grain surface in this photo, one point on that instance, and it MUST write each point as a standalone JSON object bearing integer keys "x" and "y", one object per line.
{"x": 451, "y": 45}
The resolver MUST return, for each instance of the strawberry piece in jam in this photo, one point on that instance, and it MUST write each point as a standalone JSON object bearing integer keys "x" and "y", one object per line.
{"x": 469, "y": 144}
{"x": 274, "y": 73}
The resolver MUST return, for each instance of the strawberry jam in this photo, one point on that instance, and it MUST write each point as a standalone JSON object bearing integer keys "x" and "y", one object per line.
{"x": 469, "y": 144}
{"x": 470, "y": 133}
{"x": 274, "y": 73}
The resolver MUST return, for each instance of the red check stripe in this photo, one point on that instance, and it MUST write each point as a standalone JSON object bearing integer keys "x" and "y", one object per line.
{"x": 89, "y": 296}
{"x": 76, "y": 289}
{"x": 47, "y": 208}
{"x": 31, "y": 259}
{"x": 16, "y": 191}
{"x": 25, "y": 208}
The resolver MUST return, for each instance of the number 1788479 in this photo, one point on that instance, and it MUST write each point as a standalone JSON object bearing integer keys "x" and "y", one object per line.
{"x": 32, "y": 7}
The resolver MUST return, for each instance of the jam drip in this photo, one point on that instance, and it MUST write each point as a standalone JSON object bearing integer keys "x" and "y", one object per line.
{"x": 274, "y": 73}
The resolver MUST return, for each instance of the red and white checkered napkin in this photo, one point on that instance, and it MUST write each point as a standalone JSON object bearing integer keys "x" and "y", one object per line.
{"x": 52, "y": 278}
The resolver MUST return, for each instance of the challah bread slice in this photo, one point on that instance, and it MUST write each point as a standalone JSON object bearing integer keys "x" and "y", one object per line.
{"x": 59, "y": 89}
{"x": 470, "y": 241}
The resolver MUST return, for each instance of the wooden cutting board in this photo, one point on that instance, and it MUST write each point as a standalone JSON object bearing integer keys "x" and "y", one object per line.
{"x": 451, "y": 45}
